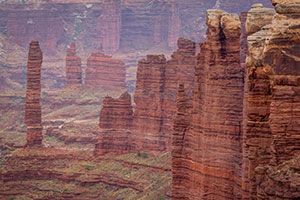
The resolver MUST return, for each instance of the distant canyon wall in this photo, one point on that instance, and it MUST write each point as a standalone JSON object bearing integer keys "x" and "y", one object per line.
{"x": 110, "y": 25}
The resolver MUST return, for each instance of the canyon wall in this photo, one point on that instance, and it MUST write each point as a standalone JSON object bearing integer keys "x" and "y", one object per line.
{"x": 105, "y": 72}
{"x": 73, "y": 67}
{"x": 110, "y": 25}
{"x": 240, "y": 137}
{"x": 115, "y": 124}
{"x": 272, "y": 99}
{"x": 33, "y": 113}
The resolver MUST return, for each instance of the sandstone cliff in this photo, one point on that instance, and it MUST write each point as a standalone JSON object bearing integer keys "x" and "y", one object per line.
{"x": 272, "y": 85}
{"x": 73, "y": 66}
{"x": 209, "y": 161}
{"x": 242, "y": 142}
{"x": 155, "y": 95}
{"x": 115, "y": 124}
{"x": 33, "y": 119}
{"x": 105, "y": 72}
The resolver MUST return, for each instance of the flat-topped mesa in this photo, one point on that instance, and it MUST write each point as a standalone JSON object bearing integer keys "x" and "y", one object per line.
{"x": 272, "y": 94}
{"x": 215, "y": 128}
{"x": 33, "y": 119}
{"x": 73, "y": 67}
{"x": 115, "y": 124}
{"x": 105, "y": 72}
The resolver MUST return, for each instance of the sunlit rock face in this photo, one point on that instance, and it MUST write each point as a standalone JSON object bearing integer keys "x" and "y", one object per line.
{"x": 115, "y": 124}
{"x": 73, "y": 67}
{"x": 33, "y": 114}
{"x": 103, "y": 71}
{"x": 272, "y": 94}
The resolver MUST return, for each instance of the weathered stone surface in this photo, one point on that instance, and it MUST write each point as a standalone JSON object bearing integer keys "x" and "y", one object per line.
{"x": 155, "y": 96}
{"x": 180, "y": 143}
{"x": 209, "y": 165}
{"x": 105, "y": 72}
{"x": 271, "y": 123}
{"x": 33, "y": 118}
{"x": 115, "y": 124}
{"x": 73, "y": 66}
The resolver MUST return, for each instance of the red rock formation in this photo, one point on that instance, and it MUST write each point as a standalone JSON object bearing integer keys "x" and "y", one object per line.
{"x": 115, "y": 126}
{"x": 272, "y": 86}
{"x": 209, "y": 165}
{"x": 155, "y": 95}
{"x": 148, "y": 115}
{"x": 105, "y": 72}
{"x": 33, "y": 119}
{"x": 180, "y": 142}
{"x": 73, "y": 66}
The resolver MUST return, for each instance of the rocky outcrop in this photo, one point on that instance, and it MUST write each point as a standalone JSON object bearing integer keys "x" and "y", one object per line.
{"x": 115, "y": 124}
{"x": 209, "y": 162}
{"x": 148, "y": 115}
{"x": 33, "y": 113}
{"x": 242, "y": 143}
{"x": 155, "y": 95}
{"x": 272, "y": 94}
{"x": 105, "y": 72}
{"x": 73, "y": 66}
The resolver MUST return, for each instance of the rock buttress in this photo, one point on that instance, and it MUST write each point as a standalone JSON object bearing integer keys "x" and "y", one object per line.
{"x": 115, "y": 126}
{"x": 73, "y": 66}
{"x": 181, "y": 141}
{"x": 272, "y": 117}
{"x": 155, "y": 96}
{"x": 33, "y": 119}
{"x": 212, "y": 168}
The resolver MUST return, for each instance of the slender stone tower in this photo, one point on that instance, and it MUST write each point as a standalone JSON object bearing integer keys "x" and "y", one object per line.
{"x": 33, "y": 118}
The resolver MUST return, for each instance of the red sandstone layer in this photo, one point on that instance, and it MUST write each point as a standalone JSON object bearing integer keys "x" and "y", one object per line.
{"x": 115, "y": 126}
{"x": 105, "y": 72}
{"x": 73, "y": 66}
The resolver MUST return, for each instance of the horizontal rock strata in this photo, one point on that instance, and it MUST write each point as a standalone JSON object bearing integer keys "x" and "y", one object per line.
{"x": 207, "y": 160}
{"x": 115, "y": 124}
{"x": 105, "y": 72}
{"x": 73, "y": 66}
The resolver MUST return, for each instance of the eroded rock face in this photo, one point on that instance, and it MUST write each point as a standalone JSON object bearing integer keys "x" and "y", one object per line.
{"x": 73, "y": 66}
{"x": 272, "y": 85}
{"x": 115, "y": 124}
{"x": 105, "y": 72}
{"x": 209, "y": 162}
{"x": 155, "y": 96}
{"x": 148, "y": 115}
{"x": 180, "y": 141}
{"x": 33, "y": 114}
